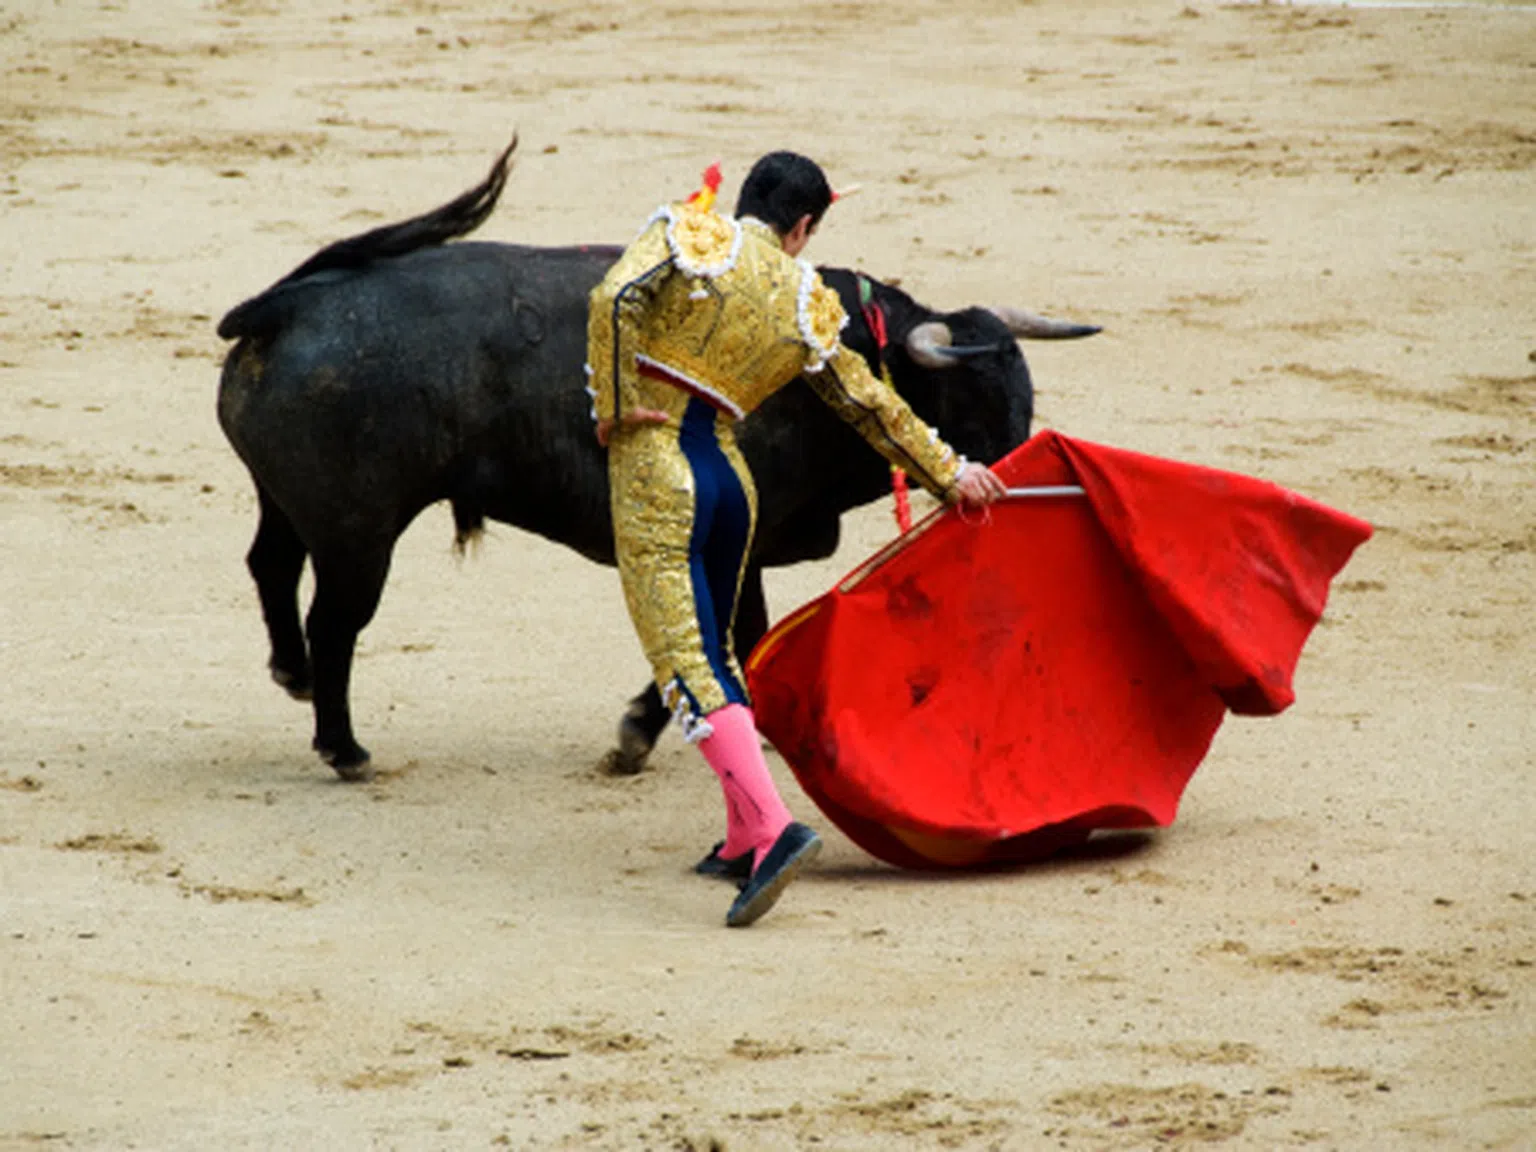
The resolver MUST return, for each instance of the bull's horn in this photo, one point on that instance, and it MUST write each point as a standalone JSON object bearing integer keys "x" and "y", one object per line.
{"x": 1032, "y": 327}
{"x": 926, "y": 344}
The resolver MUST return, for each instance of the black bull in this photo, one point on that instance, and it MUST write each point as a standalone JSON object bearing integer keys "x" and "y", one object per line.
{"x": 391, "y": 371}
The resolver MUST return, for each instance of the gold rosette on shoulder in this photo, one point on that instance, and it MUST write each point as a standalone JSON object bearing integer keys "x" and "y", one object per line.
{"x": 703, "y": 243}
{"x": 821, "y": 318}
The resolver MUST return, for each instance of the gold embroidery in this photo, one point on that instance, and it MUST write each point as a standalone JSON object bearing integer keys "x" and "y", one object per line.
{"x": 741, "y": 323}
{"x": 653, "y": 511}
{"x": 703, "y": 243}
{"x": 722, "y": 306}
{"x": 821, "y": 321}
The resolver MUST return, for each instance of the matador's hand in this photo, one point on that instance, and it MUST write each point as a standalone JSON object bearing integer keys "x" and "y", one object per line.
{"x": 604, "y": 428}
{"x": 977, "y": 486}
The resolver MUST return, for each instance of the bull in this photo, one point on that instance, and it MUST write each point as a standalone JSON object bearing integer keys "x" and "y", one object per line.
{"x": 393, "y": 370}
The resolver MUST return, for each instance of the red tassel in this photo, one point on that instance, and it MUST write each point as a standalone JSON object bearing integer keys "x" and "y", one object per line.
{"x": 903, "y": 501}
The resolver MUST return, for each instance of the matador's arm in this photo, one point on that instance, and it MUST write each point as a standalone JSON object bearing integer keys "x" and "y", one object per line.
{"x": 615, "y": 312}
{"x": 881, "y": 416}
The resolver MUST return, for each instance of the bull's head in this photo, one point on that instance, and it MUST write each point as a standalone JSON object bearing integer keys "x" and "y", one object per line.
{"x": 932, "y": 344}
{"x": 962, "y": 372}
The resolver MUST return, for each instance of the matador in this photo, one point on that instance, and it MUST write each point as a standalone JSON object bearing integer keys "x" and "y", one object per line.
{"x": 703, "y": 318}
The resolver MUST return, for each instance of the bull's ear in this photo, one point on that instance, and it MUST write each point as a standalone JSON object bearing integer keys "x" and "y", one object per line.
{"x": 1031, "y": 327}
{"x": 929, "y": 345}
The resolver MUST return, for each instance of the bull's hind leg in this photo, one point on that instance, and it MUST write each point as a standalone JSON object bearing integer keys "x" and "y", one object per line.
{"x": 276, "y": 561}
{"x": 348, "y": 583}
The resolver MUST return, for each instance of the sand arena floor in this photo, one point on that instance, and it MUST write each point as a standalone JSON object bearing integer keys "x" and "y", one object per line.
{"x": 1310, "y": 234}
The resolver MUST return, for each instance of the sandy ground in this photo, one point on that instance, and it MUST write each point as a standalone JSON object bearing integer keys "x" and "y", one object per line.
{"x": 1311, "y": 235}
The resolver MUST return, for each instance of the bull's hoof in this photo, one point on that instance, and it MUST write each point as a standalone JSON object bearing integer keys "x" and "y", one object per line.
{"x": 629, "y": 758}
{"x": 352, "y": 765}
{"x": 296, "y": 684}
{"x": 615, "y": 763}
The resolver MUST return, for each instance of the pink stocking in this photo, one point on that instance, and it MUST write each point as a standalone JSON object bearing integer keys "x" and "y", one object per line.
{"x": 754, "y": 813}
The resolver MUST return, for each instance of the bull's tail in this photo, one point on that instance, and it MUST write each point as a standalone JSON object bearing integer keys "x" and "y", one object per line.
{"x": 458, "y": 217}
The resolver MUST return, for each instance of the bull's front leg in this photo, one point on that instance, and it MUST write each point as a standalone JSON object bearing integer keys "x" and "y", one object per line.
{"x": 639, "y": 729}
{"x": 645, "y": 717}
{"x": 751, "y": 623}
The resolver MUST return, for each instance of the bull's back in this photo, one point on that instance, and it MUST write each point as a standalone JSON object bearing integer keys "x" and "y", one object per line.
{"x": 428, "y": 312}
{"x": 363, "y": 397}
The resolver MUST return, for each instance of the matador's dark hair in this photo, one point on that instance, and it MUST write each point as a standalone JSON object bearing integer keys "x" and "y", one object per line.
{"x": 781, "y": 188}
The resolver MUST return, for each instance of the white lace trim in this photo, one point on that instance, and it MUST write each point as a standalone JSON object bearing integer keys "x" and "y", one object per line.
{"x": 707, "y": 271}
{"x": 704, "y": 389}
{"x": 764, "y": 225}
{"x": 937, "y": 441}
{"x": 820, "y": 353}
{"x": 694, "y": 726}
{"x": 663, "y": 213}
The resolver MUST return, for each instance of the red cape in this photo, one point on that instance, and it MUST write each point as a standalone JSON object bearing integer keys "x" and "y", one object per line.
{"x": 990, "y": 687}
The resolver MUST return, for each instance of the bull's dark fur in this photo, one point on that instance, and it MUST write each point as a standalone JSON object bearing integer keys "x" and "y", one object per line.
{"x": 391, "y": 371}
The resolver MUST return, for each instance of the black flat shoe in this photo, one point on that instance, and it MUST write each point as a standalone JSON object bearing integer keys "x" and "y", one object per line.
{"x": 725, "y": 867}
{"x": 796, "y": 847}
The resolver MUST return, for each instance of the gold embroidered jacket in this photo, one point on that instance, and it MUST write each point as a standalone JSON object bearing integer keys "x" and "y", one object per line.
{"x": 716, "y": 305}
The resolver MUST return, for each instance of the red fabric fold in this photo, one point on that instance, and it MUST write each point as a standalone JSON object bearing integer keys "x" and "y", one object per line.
{"x": 989, "y": 688}
{"x": 1238, "y": 567}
